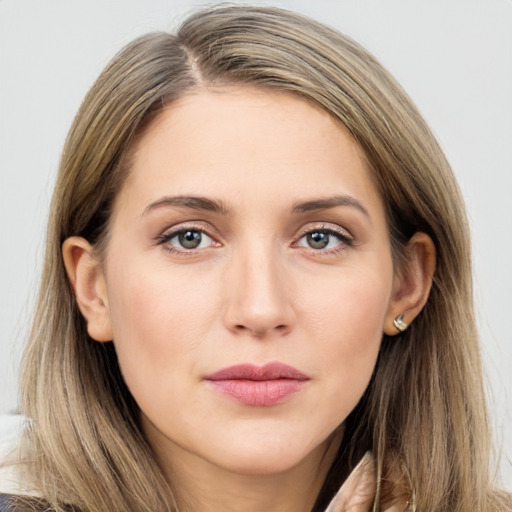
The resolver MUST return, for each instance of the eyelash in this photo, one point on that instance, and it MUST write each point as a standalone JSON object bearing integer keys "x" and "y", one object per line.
{"x": 166, "y": 237}
{"x": 345, "y": 240}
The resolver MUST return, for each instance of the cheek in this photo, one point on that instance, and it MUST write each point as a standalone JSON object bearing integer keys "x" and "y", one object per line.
{"x": 159, "y": 299}
{"x": 349, "y": 305}
{"x": 159, "y": 319}
{"x": 347, "y": 325}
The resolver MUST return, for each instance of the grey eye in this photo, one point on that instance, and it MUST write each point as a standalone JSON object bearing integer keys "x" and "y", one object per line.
{"x": 190, "y": 239}
{"x": 323, "y": 239}
{"x": 318, "y": 240}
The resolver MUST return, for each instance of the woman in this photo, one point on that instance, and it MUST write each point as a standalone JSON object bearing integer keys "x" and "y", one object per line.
{"x": 257, "y": 289}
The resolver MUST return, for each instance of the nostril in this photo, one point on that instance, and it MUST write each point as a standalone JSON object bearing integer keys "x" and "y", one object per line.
{"x": 263, "y": 332}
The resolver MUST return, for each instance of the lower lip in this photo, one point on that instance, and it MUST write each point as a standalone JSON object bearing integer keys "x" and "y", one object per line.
{"x": 258, "y": 392}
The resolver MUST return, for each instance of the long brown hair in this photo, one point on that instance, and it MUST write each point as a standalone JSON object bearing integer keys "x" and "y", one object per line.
{"x": 425, "y": 405}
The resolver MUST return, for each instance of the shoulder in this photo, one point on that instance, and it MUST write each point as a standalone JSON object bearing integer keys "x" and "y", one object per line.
{"x": 4, "y": 503}
{"x": 13, "y": 474}
{"x": 12, "y": 503}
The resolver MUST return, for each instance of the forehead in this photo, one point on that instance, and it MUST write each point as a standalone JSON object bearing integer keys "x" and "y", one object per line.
{"x": 240, "y": 140}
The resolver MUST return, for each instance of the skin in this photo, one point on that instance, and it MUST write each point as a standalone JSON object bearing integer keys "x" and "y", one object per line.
{"x": 254, "y": 291}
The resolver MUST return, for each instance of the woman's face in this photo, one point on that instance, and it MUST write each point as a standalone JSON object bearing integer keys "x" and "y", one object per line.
{"x": 247, "y": 279}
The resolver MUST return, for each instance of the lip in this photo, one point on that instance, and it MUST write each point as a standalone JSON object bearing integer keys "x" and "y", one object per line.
{"x": 254, "y": 385}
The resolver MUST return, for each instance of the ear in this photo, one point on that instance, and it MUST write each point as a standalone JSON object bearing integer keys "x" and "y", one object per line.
{"x": 86, "y": 276}
{"x": 412, "y": 283}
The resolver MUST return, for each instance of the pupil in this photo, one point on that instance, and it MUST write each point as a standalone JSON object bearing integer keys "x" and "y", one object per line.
{"x": 318, "y": 240}
{"x": 190, "y": 239}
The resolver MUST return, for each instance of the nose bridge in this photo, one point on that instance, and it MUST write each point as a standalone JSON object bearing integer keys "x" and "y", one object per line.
{"x": 258, "y": 301}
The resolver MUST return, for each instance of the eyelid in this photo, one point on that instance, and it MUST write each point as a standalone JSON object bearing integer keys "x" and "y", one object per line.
{"x": 326, "y": 227}
{"x": 175, "y": 230}
{"x": 345, "y": 237}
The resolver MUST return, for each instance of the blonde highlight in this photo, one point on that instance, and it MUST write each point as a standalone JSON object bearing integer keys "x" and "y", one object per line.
{"x": 425, "y": 406}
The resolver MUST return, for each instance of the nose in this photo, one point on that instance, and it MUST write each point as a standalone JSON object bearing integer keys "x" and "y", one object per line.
{"x": 258, "y": 300}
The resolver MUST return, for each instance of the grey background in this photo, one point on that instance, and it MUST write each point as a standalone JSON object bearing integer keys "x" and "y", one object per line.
{"x": 454, "y": 57}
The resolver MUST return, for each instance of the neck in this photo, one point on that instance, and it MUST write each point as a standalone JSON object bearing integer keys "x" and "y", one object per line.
{"x": 204, "y": 487}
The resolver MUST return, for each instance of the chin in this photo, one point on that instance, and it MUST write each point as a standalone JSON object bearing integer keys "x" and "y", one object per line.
{"x": 262, "y": 463}
{"x": 274, "y": 456}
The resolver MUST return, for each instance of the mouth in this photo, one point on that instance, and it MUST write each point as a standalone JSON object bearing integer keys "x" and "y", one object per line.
{"x": 261, "y": 386}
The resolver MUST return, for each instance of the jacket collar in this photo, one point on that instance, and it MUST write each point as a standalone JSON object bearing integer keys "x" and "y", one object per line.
{"x": 358, "y": 491}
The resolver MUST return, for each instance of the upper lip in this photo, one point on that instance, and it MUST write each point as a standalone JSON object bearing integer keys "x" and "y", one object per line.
{"x": 269, "y": 371}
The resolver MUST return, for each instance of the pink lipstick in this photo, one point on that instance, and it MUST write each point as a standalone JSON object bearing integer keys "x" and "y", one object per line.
{"x": 254, "y": 385}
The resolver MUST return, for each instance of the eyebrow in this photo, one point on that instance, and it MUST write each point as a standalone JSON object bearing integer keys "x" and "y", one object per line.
{"x": 216, "y": 206}
{"x": 329, "y": 202}
{"x": 192, "y": 202}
